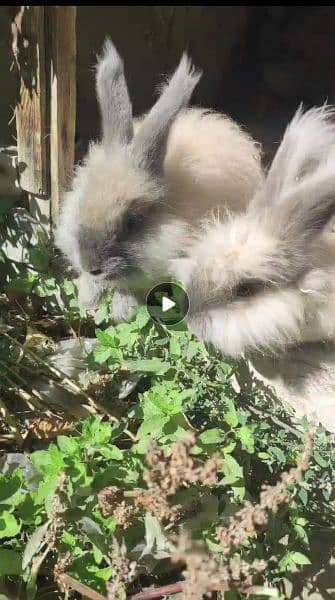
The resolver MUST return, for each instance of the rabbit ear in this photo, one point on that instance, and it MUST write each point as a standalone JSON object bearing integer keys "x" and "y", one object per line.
{"x": 113, "y": 97}
{"x": 150, "y": 141}
{"x": 299, "y": 191}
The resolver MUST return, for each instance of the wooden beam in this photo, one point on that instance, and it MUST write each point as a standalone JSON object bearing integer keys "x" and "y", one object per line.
{"x": 28, "y": 30}
{"x": 62, "y": 31}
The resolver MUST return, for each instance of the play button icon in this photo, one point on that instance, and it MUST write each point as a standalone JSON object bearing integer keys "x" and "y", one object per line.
{"x": 167, "y": 303}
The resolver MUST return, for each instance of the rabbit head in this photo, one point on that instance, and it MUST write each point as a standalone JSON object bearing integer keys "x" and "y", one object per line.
{"x": 257, "y": 281}
{"x": 112, "y": 208}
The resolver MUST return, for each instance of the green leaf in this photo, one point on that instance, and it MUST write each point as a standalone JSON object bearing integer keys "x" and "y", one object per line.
{"x": 105, "y": 574}
{"x": 22, "y": 284}
{"x": 142, "y": 317}
{"x": 9, "y": 526}
{"x": 246, "y": 436}
{"x": 193, "y": 348}
{"x": 301, "y": 533}
{"x": 278, "y": 453}
{"x": 303, "y": 495}
{"x": 211, "y": 436}
{"x": 68, "y": 539}
{"x": 94, "y": 533}
{"x": 231, "y": 469}
{"x": 10, "y": 563}
{"x": 111, "y": 452}
{"x": 44, "y": 459}
{"x": 102, "y": 314}
{"x": 47, "y": 488}
{"x": 39, "y": 258}
{"x": 126, "y": 335}
{"x": 263, "y": 455}
{"x": 34, "y": 544}
{"x": 154, "y": 537}
{"x": 153, "y": 425}
{"x": 106, "y": 337}
{"x": 84, "y": 570}
{"x": 148, "y": 366}
{"x": 300, "y": 559}
{"x": 185, "y": 394}
{"x": 175, "y": 349}
{"x": 102, "y": 353}
{"x": 95, "y": 432}
{"x": 229, "y": 448}
{"x": 68, "y": 287}
{"x": 319, "y": 459}
{"x": 301, "y": 521}
{"x": 231, "y": 414}
{"x": 10, "y": 485}
{"x": 67, "y": 444}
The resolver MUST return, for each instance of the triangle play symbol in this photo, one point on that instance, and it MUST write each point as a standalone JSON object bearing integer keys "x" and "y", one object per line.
{"x": 167, "y": 304}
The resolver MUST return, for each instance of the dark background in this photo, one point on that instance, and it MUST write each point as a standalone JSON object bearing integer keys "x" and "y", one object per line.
{"x": 259, "y": 63}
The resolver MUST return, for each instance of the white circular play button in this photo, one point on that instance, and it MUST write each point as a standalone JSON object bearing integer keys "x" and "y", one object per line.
{"x": 167, "y": 303}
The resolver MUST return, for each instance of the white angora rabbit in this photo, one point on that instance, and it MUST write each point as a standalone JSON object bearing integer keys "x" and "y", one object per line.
{"x": 145, "y": 188}
{"x": 265, "y": 279}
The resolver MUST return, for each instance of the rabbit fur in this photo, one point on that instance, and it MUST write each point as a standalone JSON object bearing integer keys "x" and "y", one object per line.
{"x": 264, "y": 280}
{"x": 143, "y": 191}
{"x": 303, "y": 377}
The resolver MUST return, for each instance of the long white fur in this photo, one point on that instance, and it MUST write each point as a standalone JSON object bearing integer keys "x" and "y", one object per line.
{"x": 209, "y": 165}
{"x": 283, "y": 236}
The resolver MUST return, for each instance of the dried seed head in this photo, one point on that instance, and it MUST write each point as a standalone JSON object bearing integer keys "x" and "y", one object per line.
{"x": 250, "y": 518}
{"x": 108, "y": 499}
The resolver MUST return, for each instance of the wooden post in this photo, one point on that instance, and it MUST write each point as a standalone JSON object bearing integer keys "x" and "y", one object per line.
{"x": 62, "y": 30}
{"x": 28, "y": 29}
{"x": 44, "y": 47}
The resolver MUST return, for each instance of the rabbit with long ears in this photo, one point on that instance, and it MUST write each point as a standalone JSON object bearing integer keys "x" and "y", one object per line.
{"x": 264, "y": 280}
{"x": 145, "y": 188}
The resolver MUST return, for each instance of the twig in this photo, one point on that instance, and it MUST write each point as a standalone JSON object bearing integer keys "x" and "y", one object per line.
{"x": 165, "y": 590}
{"x": 7, "y": 438}
{"x": 48, "y": 400}
{"x": 68, "y": 582}
{"x": 175, "y": 588}
{"x": 19, "y": 391}
{"x": 76, "y": 389}
{"x": 33, "y": 399}
{"x": 263, "y": 413}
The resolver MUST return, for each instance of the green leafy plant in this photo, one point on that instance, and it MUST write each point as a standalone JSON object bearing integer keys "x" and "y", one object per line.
{"x": 181, "y": 479}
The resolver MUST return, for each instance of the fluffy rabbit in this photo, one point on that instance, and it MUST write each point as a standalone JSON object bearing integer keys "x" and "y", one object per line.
{"x": 145, "y": 188}
{"x": 265, "y": 279}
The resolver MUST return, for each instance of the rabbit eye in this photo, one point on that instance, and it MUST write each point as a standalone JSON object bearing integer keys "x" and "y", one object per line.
{"x": 248, "y": 288}
{"x": 131, "y": 223}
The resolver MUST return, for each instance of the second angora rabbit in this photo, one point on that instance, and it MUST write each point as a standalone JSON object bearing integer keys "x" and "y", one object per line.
{"x": 146, "y": 187}
{"x": 265, "y": 279}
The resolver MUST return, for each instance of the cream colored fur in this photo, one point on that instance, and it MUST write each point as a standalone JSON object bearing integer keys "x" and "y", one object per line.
{"x": 303, "y": 377}
{"x": 282, "y": 242}
{"x": 210, "y": 165}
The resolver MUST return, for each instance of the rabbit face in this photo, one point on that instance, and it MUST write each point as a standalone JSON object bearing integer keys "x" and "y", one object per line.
{"x": 245, "y": 295}
{"x": 260, "y": 280}
{"x": 110, "y": 215}
{"x": 117, "y": 204}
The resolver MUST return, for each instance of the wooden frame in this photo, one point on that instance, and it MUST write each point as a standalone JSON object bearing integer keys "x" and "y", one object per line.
{"x": 44, "y": 46}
